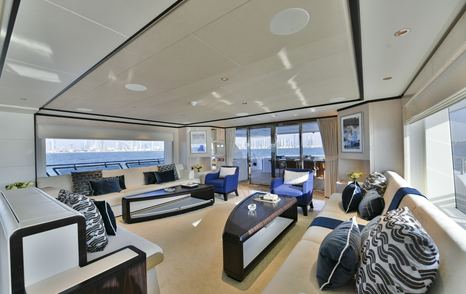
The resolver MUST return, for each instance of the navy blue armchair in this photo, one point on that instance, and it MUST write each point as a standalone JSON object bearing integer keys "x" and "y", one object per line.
{"x": 225, "y": 185}
{"x": 302, "y": 192}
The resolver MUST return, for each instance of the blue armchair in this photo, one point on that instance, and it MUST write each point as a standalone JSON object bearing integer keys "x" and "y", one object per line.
{"x": 302, "y": 192}
{"x": 224, "y": 185}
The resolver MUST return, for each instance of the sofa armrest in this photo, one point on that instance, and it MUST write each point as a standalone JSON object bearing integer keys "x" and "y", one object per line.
{"x": 129, "y": 261}
{"x": 275, "y": 183}
{"x": 211, "y": 176}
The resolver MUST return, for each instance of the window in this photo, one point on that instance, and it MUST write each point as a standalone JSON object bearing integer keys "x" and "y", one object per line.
{"x": 64, "y": 156}
{"x": 312, "y": 141}
{"x": 458, "y": 147}
{"x": 288, "y": 141}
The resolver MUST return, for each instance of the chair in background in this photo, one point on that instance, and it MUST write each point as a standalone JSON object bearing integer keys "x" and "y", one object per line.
{"x": 224, "y": 185}
{"x": 302, "y": 192}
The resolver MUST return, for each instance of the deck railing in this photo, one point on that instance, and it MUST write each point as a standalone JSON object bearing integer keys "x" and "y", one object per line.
{"x": 64, "y": 169}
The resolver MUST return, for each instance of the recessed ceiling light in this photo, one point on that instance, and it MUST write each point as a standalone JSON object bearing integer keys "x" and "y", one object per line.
{"x": 136, "y": 87}
{"x": 194, "y": 103}
{"x": 312, "y": 110}
{"x": 289, "y": 21}
{"x": 241, "y": 114}
{"x": 224, "y": 79}
{"x": 84, "y": 109}
{"x": 402, "y": 32}
{"x": 295, "y": 114}
{"x": 387, "y": 78}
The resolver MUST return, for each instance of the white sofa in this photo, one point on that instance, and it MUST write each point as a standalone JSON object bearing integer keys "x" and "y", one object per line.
{"x": 134, "y": 181}
{"x": 43, "y": 247}
{"x": 298, "y": 272}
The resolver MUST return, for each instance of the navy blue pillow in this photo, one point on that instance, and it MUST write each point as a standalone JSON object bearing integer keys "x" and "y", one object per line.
{"x": 351, "y": 196}
{"x": 107, "y": 216}
{"x": 338, "y": 258}
{"x": 372, "y": 205}
{"x": 121, "y": 179}
{"x": 149, "y": 178}
{"x": 104, "y": 186}
{"x": 164, "y": 176}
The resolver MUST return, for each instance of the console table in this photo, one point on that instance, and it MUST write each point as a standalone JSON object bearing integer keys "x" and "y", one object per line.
{"x": 187, "y": 199}
{"x": 248, "y": 236}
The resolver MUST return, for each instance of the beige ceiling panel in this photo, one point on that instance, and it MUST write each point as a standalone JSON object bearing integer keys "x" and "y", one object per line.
{"x": 244, "y": 34}
{"x": 136, "y": 14}
{"x": 179, "y": 23}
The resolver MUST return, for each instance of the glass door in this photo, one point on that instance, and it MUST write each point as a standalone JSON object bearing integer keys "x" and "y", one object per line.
{"x": 260, "y": 156}
{"x": 288, "y": 148}
{"x": 240, "y": 155}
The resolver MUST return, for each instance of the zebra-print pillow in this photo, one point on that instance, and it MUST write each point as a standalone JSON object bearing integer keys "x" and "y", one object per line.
{"x": 96, "y": 238}
{"x": 398, "y": 257}
{"x": 375, "y": 181}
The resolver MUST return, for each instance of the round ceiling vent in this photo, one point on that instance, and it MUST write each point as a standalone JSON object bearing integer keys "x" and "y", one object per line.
{"x": 289, "y": 21}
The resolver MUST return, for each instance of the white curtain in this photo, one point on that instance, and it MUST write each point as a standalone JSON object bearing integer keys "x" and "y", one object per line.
{"x": 329, "y": 131}
{"x": 230, "y": 135}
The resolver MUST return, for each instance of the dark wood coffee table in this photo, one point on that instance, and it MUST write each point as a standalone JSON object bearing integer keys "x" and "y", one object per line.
{"x": 187, "y": 199}
{"x": 248, "y": 236}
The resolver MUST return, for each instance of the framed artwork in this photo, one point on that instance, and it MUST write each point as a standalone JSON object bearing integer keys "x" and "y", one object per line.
{"x": 198, "y": 142}
{"x": 351, "y": 133}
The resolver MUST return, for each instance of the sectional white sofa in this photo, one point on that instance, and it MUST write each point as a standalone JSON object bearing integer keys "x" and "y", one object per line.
{"x": 134, "y": 181}
{"x": 298, "y": 273}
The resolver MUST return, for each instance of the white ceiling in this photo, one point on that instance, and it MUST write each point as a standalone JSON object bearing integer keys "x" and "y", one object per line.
{"x": 183, "y": 56}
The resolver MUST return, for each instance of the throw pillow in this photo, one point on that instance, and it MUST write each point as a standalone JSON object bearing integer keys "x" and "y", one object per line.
{"x": 108, "y": 217}
{"x": 351, "y": 197}
{"x": 371, "y": 205}
{"x": 81, "y": 181}
{"x": 149, "y": 178}
{"x": 167, "y": 167}
{"x": 226, "y": 171}
{"x": 295, "y": 178}
{"x": 375, "y": 181}
{"x": 96, "y": 238}
{"x": 164, "y": 176}
{"x": 338, "y": 258}
{"x": 105, "y": 186}
{"x": 366, "y": 231}
{"x": 399, "y": 257}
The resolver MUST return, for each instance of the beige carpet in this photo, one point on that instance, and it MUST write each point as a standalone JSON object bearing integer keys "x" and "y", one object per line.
{"x": 192, "y": 245}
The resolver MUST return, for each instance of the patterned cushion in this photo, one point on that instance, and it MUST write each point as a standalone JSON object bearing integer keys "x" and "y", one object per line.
{"x": 95, "y": 230}
{"x": 339, "y": 256}
{"x": 375, "y": 181}
{"x": 81, "y": 181}
{"x": 351, "y": 196}
{"x": 365, "y": 232}
{"x": 170, "y": 166}
{"x": 371, "y": 205}
{"x": 398, "y": 257}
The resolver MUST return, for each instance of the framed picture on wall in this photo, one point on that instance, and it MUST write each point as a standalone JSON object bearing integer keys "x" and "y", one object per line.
{"x": 351, "y": 133}
{"x": 198, "y": 142}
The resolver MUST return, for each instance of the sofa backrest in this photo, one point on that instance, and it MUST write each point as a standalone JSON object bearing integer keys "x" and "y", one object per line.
{"x": 449, "y": 236}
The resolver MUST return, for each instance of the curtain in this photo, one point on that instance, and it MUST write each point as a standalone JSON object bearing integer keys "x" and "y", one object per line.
{"x": 329, "y": 131}
{"x": 230, "y": 136}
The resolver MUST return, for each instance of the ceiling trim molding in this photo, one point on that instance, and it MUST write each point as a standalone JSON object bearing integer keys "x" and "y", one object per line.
{"x": 117, "y": 49}
{"x": 356, "y": 32}
{"x": 370, "y": 101}
{"x": 437, "y": 46}
{"x": 9, "y": 32}
{"x": 105, "y": 120}
{"x": 111, "y": 116}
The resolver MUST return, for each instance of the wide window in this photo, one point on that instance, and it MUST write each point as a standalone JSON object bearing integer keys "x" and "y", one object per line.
{"x": 64, "y": 156}
{"x": 458, "y": 148}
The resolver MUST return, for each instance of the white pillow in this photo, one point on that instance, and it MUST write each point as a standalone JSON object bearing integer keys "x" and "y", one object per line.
{"x": 226, "y": 171}
{"x": 295, "y": 178}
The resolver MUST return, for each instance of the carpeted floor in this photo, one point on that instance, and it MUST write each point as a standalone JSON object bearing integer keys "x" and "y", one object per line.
{"x": 192, "y": 245}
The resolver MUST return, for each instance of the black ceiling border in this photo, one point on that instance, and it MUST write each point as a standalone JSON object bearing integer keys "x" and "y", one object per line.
{"x": 110, "y": 116}
{"x": 117, "y": 49}
{"x": 355, "y": 17}
{"x": 9, "y": 32}
{"x": 437, "y": 46}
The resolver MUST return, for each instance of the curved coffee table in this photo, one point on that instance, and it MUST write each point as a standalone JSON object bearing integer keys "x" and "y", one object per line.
{"x": 248, "y": 236}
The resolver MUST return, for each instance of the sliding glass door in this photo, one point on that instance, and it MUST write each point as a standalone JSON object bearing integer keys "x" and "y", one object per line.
{"x": 260, "y": 157}
{"x": 240, "y": 155}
